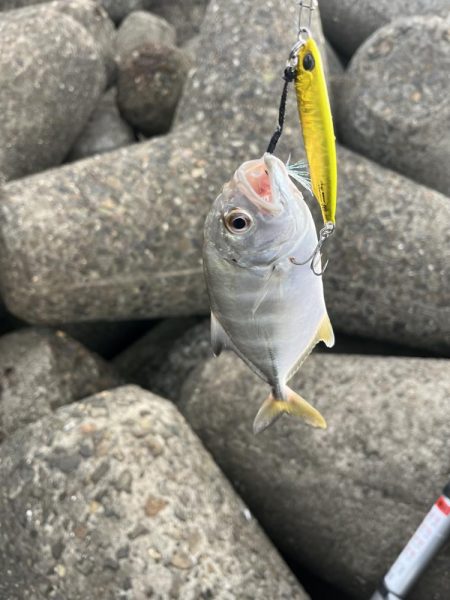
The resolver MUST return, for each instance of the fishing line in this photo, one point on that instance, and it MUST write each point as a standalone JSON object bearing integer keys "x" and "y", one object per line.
{"x": 289, "y": 76}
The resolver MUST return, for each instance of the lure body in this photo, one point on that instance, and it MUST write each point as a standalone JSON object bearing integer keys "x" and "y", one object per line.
{"x": 317, "y": 127}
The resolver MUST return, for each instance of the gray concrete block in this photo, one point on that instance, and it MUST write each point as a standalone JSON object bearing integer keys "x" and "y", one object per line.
{"x": 342, "y": 501}
{"x": 42, "y": 370}
{"x": 115, "y": 497}
{"x": 347, "y": 23}
{"x": 394, "y": 103}
{"x": 105, "y": 130}
{"x": 51, "y": 75}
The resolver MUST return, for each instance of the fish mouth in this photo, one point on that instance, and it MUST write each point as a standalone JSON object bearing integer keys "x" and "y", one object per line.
{"x": 258, "y": 180}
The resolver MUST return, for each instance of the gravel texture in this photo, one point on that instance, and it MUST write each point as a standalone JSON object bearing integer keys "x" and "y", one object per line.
{"x": 343, "y": 501}
{"x": 115, "y": 497}
{"x": 105, "y": 130}
{"x": 348, "y": 23}
{"x": 395, "y": 110}
{"x": 42, "y": 370}
{"x": 51, "y": 76}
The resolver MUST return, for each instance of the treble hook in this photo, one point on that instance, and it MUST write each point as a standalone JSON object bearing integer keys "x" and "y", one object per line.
{"x": 326, "y": 232}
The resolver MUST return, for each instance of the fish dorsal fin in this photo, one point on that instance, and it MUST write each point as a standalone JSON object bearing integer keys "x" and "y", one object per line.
{"x": 300, "y": 172}
{"x": 324, "y": 334}
{"x": 220, "y": 340}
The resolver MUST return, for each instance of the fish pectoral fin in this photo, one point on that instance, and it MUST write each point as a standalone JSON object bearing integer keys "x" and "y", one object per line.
{"x": 295, "y": 405}
{"x": 325, "y": 333}
{"x": 219, "y": 339}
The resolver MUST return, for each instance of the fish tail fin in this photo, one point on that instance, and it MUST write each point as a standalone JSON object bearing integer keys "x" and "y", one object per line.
{"x": 295, "y": 405}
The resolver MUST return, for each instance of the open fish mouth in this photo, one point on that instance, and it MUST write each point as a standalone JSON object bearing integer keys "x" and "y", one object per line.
{"x": 258, "y": 181}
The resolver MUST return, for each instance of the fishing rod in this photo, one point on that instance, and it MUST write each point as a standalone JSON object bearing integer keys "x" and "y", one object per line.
{"x": 425, "y": 543}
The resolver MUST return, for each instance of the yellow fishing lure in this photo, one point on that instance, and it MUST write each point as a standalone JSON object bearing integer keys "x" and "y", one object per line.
{"x": 317, "y": 127}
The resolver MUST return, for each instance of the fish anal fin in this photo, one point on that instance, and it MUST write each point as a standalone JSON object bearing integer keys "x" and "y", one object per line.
{"x": 219, "y": 339}
{"x": 294, "y": 405}
{"x": 325, "y": 333}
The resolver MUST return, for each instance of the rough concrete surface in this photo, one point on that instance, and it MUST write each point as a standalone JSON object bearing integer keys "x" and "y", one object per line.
{"x": 342, "y": 501}
{"x": 41, "y": 370}
{"x": 185, "y": 16}
{"x": 105, "y": 130}
{"x": 348, "y": 23}
{"x": 51, "y": 75}
{"x": 395, "y": 109}
{"x": 115, "y": 497}
{"x": 140, "y": 28}
{"x": 112, "y": 237}
{"x": 150, "y": 81}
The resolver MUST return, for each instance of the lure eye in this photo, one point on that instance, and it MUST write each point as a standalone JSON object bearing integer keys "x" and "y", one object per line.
{"x": 308, "y": 62}
{"x": 238, "y": 221}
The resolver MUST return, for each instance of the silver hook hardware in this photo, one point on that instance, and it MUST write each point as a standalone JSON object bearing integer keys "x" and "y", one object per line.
{"x": 325, "y": 233}
{"x": 308, "y": 5}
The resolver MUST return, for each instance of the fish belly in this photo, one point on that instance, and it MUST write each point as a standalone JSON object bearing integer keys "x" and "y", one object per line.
{"x": 271, "y": 315}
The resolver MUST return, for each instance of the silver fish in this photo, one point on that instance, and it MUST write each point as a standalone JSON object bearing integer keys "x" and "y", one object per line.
{"x": 267, "y": 310}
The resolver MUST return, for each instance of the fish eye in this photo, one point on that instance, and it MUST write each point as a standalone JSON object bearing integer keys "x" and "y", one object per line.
{"x": 237, "y": 220}
{"x": 308, "y": 62}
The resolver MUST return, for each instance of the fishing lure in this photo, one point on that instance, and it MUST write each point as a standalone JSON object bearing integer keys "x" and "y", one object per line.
{"x": 317, "y": 127}
{"x": 305, "y": 69}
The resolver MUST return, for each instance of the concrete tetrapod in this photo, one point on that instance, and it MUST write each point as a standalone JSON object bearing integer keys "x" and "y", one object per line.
{"x": 394, "y": 109}
{"x": 115, "y": 497}
{"x": 115, "y": 235}
{"x": 348, "y": 23}
{"x": 388, "y": 276}
{"x": 42, "y": 370}
{"x": 52, "y": 73}
{"x": 343, "y": 501}
{"x": 119, "y": 236}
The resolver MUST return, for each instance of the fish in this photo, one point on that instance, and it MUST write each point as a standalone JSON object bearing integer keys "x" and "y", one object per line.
{"x": 317, "y": 127}
{"x": 267, "y": 310}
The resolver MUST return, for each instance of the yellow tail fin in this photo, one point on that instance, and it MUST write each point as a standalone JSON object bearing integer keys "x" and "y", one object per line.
{"x": 272, "y": 409}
